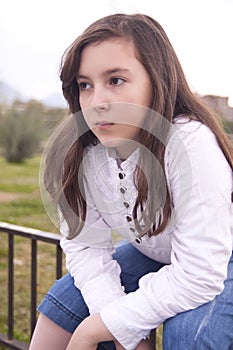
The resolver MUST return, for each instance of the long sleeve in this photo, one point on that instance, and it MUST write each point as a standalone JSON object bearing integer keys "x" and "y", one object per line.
{"x": 89, "y": 260}
{"x": 200, "y": 182}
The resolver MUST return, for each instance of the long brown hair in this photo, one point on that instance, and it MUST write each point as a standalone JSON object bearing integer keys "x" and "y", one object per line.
{"x": 171, "y": 97}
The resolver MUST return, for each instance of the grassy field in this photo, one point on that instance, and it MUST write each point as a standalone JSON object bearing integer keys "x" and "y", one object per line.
{"x": 20, "y": 201}
{"x": 20, "y": 204}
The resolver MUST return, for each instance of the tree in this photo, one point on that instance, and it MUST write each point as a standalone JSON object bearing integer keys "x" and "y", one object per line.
{"x": 228, "y": 126}
{"x": 20, "y": 131}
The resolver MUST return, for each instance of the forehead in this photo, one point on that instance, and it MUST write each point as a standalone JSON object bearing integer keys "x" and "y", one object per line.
{"x": 108, "y": 52}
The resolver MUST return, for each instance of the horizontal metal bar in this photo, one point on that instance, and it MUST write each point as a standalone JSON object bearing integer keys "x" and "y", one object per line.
{"x": 13, "y": 344}
{"x": 30, "y": 233}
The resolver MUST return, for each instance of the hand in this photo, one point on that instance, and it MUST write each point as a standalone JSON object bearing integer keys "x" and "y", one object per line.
{"x": 89, "y": 333}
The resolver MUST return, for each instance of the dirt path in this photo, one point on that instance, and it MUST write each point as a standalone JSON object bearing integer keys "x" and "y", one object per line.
{"x": 8, "y": 196}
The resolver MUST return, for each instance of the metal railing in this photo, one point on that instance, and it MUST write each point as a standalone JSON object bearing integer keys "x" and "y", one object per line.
{"x": 34, "y": 236}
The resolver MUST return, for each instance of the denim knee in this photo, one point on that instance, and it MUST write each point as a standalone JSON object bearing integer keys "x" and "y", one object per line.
{"x": 204, "y": 328}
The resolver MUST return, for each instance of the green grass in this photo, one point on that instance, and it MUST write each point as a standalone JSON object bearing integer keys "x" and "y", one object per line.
{"x": 19, "y": 178}
{"x": 26, "y": 212}
{"x": 19, "y": 184}
{"x": 21, "y": 181}
{"x": 22, "y": 264}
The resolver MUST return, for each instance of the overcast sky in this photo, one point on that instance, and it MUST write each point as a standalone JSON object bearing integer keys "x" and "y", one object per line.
{"x": 35, "y": 33}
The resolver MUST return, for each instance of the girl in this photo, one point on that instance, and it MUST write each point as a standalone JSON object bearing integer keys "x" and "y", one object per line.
{"x": 141, "y": 155}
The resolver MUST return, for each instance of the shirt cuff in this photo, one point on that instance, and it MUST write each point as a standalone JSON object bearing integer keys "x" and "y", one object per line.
{"x": 100, "y": 291}
{"x": 126, "y": 325}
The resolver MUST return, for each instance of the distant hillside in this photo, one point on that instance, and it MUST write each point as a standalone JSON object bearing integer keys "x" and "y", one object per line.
{"x": 54, "y": 100}
{"x": 8, "y": 95}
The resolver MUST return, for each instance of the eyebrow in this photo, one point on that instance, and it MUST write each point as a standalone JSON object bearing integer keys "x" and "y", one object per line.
{"x": 107, "y": 72}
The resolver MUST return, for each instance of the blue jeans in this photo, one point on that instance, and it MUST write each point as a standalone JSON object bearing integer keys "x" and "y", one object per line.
{"x": 208, "y": 327}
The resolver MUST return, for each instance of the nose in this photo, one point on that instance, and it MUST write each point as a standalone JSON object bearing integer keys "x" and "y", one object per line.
{"x": 103, "y": 107}
{"x": 100, "y": 100}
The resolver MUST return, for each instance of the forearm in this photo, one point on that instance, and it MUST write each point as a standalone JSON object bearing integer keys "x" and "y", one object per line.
{"x": 92, "y": 331}
{"x": 89, "y": 333}
{"x": 89, "y": 345}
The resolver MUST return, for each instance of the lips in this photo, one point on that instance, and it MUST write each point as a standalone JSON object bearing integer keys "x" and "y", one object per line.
{"x": 104, "y": 125}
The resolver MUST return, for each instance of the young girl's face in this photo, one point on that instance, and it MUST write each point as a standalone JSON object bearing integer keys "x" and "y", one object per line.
{"x": 114, "y": 90}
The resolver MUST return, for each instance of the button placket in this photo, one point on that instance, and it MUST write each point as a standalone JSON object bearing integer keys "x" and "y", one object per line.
{"x": 126, "y": 204}
{"x": 121, "y": 175}
{"x": 123, "y": 190}
{"x": 129, "y": 218}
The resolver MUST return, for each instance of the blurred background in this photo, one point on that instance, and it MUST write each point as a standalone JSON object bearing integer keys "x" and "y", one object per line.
{"x": 33, "y": 37}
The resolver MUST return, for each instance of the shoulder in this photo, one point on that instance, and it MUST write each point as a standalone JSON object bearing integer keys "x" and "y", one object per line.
{"x": 185, "y": 127}
{"x": 193, "y": 144}
{"x": 191, "y": 134}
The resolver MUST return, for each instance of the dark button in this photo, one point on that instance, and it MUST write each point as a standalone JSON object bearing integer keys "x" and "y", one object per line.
{"x": 132, "y": 229}
{"x": 121, "y": 175}
{"x": 129, "y": 218}
{"x": 138, "y": 240}
{"x": 126, "y": 204}
{"x": 123, "y": 189}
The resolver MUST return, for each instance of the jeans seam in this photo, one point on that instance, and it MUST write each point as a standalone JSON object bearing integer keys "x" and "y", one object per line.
{"x": 61, "y": 307}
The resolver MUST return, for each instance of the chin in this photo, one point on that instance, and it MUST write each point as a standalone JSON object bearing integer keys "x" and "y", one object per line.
{"x": 113, "y": 143}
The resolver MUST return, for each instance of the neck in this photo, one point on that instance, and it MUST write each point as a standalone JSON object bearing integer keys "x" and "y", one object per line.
{"x": 125, "y": 150}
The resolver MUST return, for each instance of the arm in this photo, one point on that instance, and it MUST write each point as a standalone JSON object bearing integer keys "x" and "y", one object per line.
{"x": 89, "y": 255}
{"x": 93, "y": 331}
{"x": 201, "y": 242}
{"x": 89, "y": 261}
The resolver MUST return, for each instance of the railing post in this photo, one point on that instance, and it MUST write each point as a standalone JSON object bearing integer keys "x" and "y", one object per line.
{"x": 58, "y": 262}
{"x": 33, "y": 283}
{"x": 153, "y": 338}
{"x": 10, "y": 287}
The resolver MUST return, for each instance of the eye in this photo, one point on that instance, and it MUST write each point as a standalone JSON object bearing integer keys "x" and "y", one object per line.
{"x": 116, "y": 81}
{"x": 83, "y": 86}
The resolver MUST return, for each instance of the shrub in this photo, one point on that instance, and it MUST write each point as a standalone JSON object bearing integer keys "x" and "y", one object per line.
{"x": 20, "y": 133}
{"x": 228, "y": 126}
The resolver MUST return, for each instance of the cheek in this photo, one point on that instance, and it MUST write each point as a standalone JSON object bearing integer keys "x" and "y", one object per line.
{"x": 82, "y": 102}
{"x": 85, "y": 99}
{"x": 147, "y": 97}
{"x": 135, "y": 115}
{"x": 88, "y": 116}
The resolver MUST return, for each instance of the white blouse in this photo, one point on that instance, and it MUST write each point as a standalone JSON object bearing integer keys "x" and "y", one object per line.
{"x": 196, "y": 245}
